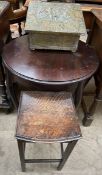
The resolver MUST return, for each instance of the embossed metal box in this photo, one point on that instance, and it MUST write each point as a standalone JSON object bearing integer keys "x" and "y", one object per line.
{"x": 54, "y": 25}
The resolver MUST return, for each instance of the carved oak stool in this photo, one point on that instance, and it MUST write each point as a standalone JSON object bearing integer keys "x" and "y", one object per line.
{"x": 47, "y": 117}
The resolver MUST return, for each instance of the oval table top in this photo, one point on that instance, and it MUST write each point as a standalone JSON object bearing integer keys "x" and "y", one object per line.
{"x": 47, "y": 66}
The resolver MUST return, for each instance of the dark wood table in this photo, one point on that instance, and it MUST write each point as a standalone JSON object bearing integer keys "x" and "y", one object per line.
{"x": 47, "y": 70}
{"x": 4, "y": 33}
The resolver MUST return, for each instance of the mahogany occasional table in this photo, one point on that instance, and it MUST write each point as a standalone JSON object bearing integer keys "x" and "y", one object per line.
{"x": 47, "y": 70}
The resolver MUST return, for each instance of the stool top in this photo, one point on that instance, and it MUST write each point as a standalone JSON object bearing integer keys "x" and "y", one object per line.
{"x": 47, "y": 117}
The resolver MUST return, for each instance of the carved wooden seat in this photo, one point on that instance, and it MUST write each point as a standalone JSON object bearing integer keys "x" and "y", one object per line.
{"x": 17, "y": 12}
{"x": 47, "y": 117}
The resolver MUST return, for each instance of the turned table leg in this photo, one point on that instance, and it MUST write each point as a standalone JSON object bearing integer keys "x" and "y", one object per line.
{"x": 5, "y": 103}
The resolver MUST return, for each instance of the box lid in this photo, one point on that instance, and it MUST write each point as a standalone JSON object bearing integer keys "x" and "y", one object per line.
{"x": 55, "y": 17}
{"x": 3, "y": 6}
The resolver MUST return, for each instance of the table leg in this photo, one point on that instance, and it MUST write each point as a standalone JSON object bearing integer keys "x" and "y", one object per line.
{"x": 87, "y": 120}
{"x": 78, "y": 94}
{"x": 10, "y": 89}
{"x": 5, "y": 104}
{"x": 89, "y": 112}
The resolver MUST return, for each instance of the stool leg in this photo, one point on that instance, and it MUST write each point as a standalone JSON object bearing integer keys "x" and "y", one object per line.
{"x": 66, "y": 154}
{"x": 62, "y": 149}
{"x": 21, "y": 148}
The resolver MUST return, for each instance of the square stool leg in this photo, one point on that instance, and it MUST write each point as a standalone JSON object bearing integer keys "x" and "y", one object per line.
{"x": 66, "y": 154}
{"x": 21, "y": 148}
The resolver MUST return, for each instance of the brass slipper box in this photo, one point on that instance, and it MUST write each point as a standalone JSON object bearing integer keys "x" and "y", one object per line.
{"x": 56, "y": 26}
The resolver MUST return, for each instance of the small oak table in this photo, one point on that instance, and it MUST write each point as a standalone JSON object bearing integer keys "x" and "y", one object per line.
{"x": 47, "y": 70}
